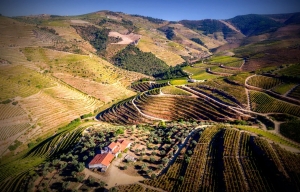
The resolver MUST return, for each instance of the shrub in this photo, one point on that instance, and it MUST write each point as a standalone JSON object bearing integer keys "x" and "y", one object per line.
{"x": 119, "y": 131}
{"x": 15, "y": 103}
{"x": 85, "y": 158}
{"x": 80, "y": 178}
{"x": 120, "y": 155}
{"x": 31, "y": 144}
{"x": 86, "y": 116}
{"x": 6, "y": 101}
{"x": 240, "y": 122}
{"x": 80, "y": 167}
{"x": 153, "y": 176}
{"x": 72, "y": 124}
{"x": 15, "y": 146}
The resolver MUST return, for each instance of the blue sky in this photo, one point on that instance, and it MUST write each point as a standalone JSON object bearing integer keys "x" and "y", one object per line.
{"x": 165, "y": 9}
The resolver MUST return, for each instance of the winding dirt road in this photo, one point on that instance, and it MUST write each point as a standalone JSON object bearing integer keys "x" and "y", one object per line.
{"x": 147, "y": 116}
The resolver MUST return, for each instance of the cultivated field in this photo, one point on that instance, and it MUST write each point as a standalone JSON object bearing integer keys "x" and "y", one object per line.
{"x": 235, "y": 167}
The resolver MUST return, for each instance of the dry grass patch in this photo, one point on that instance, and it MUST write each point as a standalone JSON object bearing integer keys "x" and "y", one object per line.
{"x": 103, "y": 92}
{"x": 60, "y": 105}
{"x": 17, "y": 34}
{"x": 174, "y": 91}
{"x": 86, "y": 66}
{"x": 158, "y": 46}
{"x": 20, "y": 81}
{"x": 13, "y": 55}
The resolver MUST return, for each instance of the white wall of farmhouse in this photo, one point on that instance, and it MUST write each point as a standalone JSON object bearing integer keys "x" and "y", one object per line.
{"x": 98, "y": 166}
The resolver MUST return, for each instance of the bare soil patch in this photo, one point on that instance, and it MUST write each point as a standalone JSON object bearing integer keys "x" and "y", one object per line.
{"x": 79, "y": 21}
{"x": 126, "y": 39}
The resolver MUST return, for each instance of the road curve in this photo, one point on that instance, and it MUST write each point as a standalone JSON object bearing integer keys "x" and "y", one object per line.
{"x": 147, "y": 116}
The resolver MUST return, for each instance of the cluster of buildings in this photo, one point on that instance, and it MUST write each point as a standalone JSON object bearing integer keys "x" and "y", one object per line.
{"x": 102, "y": 161}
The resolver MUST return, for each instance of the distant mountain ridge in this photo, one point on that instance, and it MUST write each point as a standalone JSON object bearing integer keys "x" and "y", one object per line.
{"x": 174, "y": 42}
{"x": 251, "y": 24}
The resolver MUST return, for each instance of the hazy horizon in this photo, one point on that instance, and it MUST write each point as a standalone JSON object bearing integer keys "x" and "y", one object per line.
{"x": 167, "y": 9}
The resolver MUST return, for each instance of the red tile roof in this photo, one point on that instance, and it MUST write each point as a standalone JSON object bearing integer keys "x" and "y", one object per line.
{"x": 104, "y": 159}
{"x": 112, "y": 145}
{"x": 120, "y": 144}
{"x": 116, "y": 150}
{"x": 124, "y": 144}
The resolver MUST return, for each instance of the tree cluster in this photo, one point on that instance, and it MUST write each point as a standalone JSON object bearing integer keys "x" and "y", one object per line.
{"x": 50, "y": 30}
{"x": 151, "y": 19}
{"x": 197, "y": 40}
{"x": 125, "y": 23}
{"x": 133, "y": 59}
{"x": 98, "y": 38}
{"x": 172, "y": 73}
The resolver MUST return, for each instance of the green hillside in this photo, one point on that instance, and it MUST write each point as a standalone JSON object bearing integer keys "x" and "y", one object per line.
{"x": 254, "y": 24}
{"x": 133, "y": 59}
{"x": 209, "y": 26}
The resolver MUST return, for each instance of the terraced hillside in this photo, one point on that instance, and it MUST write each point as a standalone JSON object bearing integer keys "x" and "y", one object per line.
{"x": 217, "y": 94}
{"x": 236, "y": 166}
{"x": 145, "y": 86}
{"x": 295, "y": 93}
{"x": 89, "y": 67}
{"x": 224, "y": 90}
{"x": 227, "y": 61}
{"x": 24, "y": 32}
{"x": 41, "y": 107}
{"x": 89, "y": 74}
{"x": 263, "y": 82}
{"x": 122, "y": 113}
{"x": 171, "y": 107}
{"x": 264, "y": 103}
{"x": 269, "y": 53}
{"x": 14, "y": 176}
{"x": 44, "y": 87}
